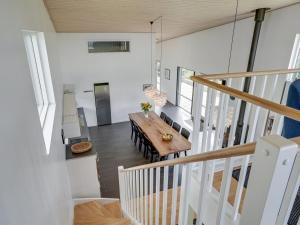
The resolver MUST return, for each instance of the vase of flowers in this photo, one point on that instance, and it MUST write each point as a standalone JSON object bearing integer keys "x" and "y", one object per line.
{"x": 146, "y": 106}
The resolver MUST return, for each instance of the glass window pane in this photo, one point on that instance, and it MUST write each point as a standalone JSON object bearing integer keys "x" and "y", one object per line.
{"x": 34, "y": 73}
{"x": 187, "y": 90}
{"x": 185, "y": 103}
{"x": 39, "y": 69}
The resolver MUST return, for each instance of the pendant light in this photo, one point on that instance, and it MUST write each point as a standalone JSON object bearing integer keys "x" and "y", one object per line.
{"x": 151, "y": 92}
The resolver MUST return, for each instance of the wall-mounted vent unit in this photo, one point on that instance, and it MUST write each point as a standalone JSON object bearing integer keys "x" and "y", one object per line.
{"x": 108, "y": 46}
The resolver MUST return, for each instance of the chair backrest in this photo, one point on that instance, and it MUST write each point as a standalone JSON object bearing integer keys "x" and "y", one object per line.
{"x": 163, "y": 116}
{"x": 185, "y": 133}
{"x": 176, "y": 126}
{"x": 169, "y": 121}
{"x": 132, "y": 123}
{"x": 147, "y": 140}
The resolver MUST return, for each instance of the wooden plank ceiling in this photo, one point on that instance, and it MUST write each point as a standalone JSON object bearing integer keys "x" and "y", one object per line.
{"x": 180, "y": 17}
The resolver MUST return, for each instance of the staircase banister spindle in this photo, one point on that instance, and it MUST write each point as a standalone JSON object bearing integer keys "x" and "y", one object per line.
{"x": 264, "y": 103}
{"x": 238, "y": 150}
{"x": 246, "y": 149}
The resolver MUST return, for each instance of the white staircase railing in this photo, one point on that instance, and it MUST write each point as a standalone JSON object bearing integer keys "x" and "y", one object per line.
{"x": 162, "y": 193}
{"x": 178, "y": 191}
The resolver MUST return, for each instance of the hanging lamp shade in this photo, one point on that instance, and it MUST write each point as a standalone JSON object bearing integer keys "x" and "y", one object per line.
{"x": 159, "y": 98}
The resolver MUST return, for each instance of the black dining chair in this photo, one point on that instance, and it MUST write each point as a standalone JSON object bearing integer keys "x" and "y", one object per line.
{"x": 141, "y": 137}
{"x": 176, "y": 126}
{"x": 169, "y": 121}
{"x": 138, "y": 135}
{"x": 186, "y": 134}
{"x": 133, "y": 129}
{"x": 163, "y": 116}
{"x": 149, "y": 148}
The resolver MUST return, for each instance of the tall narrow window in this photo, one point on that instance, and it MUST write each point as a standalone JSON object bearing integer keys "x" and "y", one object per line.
{"x": 41, "y": 81}
{"x": 185, "y": 89}
{"x": 295, "y": 58}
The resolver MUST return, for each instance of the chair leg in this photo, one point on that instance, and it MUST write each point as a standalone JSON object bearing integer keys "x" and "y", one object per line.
{"x": 131, "y": 134}
{"x": 145, "y": 151}
{"x": 185, "y": 153}
{"x": 146, "y": 154}
{"x": 140, "y": 145}
{"x": 135, "y": 139}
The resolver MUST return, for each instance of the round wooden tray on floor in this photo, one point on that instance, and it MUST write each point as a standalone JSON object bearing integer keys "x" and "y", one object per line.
{"x": 81, "y": 147}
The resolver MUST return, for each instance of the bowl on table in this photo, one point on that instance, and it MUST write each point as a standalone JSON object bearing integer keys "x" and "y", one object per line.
{"x": 81, "y": 147}
{"x": 167, "y": 137}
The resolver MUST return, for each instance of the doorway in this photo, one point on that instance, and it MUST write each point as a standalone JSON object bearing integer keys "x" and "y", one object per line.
{"x": 102, "y": 103}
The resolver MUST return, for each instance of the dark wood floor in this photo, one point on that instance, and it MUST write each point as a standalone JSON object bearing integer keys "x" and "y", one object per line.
{"x": 115, "y": 148}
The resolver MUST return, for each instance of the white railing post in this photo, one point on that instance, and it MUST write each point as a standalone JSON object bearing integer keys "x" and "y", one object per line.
{"x": 174, "y": 194}
{"x": 138, "y": 205}
{"x": 224, "y": 191}
{"x": 142, "y": 196}
{"x": 121, "y": 187}
{"x": 197, "y": 106}
{"x": 184, "y": 194}
{"x": 146, "y": 207}
{"x": 151, "y": 197}
{"x": 202, "y": 193}
{"x": 207, "y": 116}
{"x": 273, "y": 161}
{"x": 165, "y": 195}
{"x": 290, "y": 194}
{"x": 126, "y": 193}
{"x": 157, "y": 195}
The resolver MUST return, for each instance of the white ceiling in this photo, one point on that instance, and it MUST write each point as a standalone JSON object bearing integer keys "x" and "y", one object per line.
{"x": 180, "y": 17}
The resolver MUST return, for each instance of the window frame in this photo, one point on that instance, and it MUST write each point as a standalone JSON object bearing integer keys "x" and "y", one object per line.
{"x": 37, "y": 57}
{"x": 178, "y": 89}
{"x": 295, "y": 59}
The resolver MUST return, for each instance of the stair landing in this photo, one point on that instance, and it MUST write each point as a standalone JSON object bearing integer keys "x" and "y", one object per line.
{"x": 95, "y": 213}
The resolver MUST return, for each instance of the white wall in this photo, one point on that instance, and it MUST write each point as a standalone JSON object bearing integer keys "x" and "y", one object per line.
{"x": 208, "y": 51}
{"x": 34, "y": 186}
{"x": 125, "y": 72}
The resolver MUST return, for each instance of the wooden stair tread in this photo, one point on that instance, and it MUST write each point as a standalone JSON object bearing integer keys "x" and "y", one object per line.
{"x": 114, "y": 208}
{"x": 94, "y": 213}
{"x": 92, "y": 209}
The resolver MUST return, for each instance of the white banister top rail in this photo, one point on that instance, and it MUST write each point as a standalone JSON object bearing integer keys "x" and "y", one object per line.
{"x": 249, "y": 74}
{"x": 264, "y": 103}
{"x": 238, "y": 150}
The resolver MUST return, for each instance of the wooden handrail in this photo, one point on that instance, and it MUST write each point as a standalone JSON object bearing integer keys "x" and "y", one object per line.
{"x": 264, "y": 103}
{"x": 238, "y": 150}
{"x": 249, "y": 74}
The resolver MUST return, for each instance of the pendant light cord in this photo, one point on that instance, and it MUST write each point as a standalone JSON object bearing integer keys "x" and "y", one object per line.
{"x": 232, "y": 37}
{"x": 161, "y": 47}
{"x": 151, "y": 65}
{"x": 161, "y": 44}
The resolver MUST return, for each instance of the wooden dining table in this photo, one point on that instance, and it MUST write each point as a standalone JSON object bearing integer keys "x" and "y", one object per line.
{"x": 154, "y": 127}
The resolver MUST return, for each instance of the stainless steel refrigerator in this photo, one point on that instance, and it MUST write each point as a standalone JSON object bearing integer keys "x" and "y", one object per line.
{"x": 102, "y": 101}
